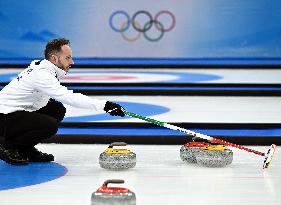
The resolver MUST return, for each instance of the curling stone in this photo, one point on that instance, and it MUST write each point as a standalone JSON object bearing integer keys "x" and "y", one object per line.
{"x": 189, "y": 151}
{"x": 117, "y": 159}
{"x": 113, "y": 195}
{"x": 214, "y": 156}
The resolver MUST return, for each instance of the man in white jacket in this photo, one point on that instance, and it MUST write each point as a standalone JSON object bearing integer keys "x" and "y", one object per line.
{"x": 31, "y": 105}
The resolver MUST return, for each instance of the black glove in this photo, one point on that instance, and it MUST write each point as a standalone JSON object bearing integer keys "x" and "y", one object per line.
{"x": 114, "y": 109}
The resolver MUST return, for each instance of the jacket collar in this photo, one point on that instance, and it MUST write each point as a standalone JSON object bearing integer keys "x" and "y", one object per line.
{"x": 59, "y": 72}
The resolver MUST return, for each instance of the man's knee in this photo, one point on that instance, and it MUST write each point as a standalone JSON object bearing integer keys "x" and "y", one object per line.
{"x": 52, "y": 126}
{"x": 54, "y": 109}
{"x": 61, "y": 112}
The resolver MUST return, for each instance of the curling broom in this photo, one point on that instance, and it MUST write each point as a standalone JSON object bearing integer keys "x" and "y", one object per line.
{"x": 267, "y": 156}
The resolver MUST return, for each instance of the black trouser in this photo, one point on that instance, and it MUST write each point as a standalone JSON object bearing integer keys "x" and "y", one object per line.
{"x": 22, "y": 129}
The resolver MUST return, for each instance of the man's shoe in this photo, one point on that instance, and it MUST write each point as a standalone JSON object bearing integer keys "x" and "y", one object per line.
{"x": 12, "y": 156}
{"x": 34, "y": 155}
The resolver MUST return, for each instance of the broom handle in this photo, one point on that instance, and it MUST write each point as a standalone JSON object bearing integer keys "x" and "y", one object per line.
{"x": 189, "y": 132}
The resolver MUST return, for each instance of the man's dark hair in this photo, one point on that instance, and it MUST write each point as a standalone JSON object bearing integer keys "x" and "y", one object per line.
{"x": 54, "y": 46}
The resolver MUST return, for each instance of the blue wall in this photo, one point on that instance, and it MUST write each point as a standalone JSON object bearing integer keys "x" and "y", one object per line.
{"x": 227, "y": 30}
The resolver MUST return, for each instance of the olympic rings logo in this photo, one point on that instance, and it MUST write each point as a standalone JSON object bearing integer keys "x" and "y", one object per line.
{"x": 141, "y": 28}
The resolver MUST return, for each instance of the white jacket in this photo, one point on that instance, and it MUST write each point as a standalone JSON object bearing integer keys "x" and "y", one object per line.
{"x": 34, "y": 86}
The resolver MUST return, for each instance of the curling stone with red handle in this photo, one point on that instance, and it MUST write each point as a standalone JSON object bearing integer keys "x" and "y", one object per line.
{"x": 106, "y": 195}
{"x": 189, "y": 151}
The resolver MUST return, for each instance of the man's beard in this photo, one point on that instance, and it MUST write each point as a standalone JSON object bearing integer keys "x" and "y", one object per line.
{"x": 60, "y": 65}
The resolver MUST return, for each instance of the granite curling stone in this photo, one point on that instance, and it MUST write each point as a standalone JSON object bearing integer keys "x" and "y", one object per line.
{"x": 106, "y": 195}
{"x": 189, "y": 151}
{"x": 117, "y": 159}
{"x": 214, "y": 156}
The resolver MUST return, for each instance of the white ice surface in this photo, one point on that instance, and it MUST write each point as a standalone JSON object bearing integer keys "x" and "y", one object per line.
{"x": 200, "y": 109}
{"x": 160, "y": 177}
{"x": 237, "y": 75}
